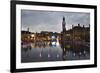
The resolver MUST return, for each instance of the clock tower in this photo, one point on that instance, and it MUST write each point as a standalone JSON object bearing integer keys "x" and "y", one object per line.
{"x": 63, "y": 25}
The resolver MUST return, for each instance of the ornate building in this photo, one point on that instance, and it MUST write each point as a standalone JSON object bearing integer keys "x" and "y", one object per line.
{"x": 77, "y": 33}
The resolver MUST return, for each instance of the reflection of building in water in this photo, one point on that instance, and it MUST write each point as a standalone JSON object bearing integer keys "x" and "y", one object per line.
{"x": 75, "y": 51}
{"x": 78, "y": 33}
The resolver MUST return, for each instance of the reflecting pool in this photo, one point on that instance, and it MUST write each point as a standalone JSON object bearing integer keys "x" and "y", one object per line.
{"x": 42, "y": 51}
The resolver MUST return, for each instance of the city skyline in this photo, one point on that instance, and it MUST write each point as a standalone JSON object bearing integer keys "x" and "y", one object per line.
{"x": 51, "y": 21}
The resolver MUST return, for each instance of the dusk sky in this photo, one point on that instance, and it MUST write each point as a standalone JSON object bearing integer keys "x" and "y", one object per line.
{"x": 38, "y": 21}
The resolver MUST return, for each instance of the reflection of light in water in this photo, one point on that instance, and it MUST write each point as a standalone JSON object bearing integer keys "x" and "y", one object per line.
{"x": 80, "y": 53}
{"x": 53, "y": 43}
{"x": 48, "y": 55}
{"x": 57, "y": 55}
{"x": 64, "y": 49}
{"x": 57, "y": 43}
{"x": 40, "y": 55}
{"x": 84, "y": 52}
{"x": 53, "y": 37}
{"x": 48, "y": 43}
{"x": 74, "y": 54}
{"x": 67, "y": 46}
{"x": 32, "y": 45}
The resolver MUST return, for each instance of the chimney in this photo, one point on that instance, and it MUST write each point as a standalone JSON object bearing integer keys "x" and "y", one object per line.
{"x": 78, "y": 25}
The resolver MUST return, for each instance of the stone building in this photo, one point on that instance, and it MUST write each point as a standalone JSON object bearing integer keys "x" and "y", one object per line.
{"x": 77, "y": 33}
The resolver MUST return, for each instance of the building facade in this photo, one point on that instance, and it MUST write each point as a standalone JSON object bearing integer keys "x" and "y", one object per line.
{"x": 77, "y": 33}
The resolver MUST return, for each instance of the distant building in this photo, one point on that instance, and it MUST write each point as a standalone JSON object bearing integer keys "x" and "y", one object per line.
{"x": 78, "y": 33}
{"x": 27, "y": 36}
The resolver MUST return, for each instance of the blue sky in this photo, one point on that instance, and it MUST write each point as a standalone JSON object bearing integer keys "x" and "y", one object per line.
{"x": 39, "y": 21}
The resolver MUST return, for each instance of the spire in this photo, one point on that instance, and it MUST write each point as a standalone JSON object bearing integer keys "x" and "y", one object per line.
{"x": 64, "y": 24}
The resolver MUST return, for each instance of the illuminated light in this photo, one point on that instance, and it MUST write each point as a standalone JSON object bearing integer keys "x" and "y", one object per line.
{"x": 53, "y": 43}
{"x": 32, "y": 35}
{"x": 67, "y": 34}
{"x": 53, "y": 37}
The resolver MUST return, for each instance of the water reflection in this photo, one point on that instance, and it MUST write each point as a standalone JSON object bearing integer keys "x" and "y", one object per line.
{"x": 73, "y": 51}
{"x": 41, "y": 51}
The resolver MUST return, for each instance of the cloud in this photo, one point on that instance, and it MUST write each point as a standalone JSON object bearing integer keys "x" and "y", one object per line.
{"x": 51, "y": 21}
